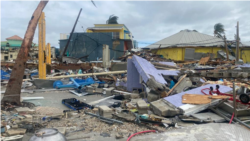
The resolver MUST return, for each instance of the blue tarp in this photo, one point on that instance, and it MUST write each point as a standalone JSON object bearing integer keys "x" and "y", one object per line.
{"x": 5, "y": 75}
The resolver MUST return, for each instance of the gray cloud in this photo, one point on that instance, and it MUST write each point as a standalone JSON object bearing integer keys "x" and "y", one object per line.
{"x": 148, "y": 21}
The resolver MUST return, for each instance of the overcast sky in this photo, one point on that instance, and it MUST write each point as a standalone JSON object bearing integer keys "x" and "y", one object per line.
{"x": 148, "y": 21}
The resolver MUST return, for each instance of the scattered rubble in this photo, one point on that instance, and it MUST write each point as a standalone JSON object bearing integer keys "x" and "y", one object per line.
{"x": 153, "y": 94}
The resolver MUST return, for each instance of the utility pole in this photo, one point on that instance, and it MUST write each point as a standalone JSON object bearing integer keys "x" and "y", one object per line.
{"x": 225, "y": 40}
{"x": 237, "y": 43}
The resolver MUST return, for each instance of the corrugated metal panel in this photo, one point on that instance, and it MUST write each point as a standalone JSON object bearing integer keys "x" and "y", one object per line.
{"x": 91, "y": 44}
{"x": 188, "y": 38}
{"x": 189, "y": 54}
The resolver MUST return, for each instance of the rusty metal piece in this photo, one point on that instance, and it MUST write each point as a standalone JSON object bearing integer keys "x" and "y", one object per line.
{"x": 16, "y": 77}
{"x": 65, "y": 48}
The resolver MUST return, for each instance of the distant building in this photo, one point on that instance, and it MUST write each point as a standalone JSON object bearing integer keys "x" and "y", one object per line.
{"x": 53, "y": 52}
{"x": 11, "y": 47}
{"x": 88, "y": 46}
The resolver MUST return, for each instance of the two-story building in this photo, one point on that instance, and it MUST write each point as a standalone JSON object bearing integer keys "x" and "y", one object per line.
{"x": 88, "y": 45}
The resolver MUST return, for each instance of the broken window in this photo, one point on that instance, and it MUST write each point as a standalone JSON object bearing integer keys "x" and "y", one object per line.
{"x": 11, "y": 56}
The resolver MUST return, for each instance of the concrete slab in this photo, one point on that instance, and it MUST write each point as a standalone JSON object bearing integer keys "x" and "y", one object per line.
{"x": 54, "y": 98}
{"x": 209, "y": 115}
{"x": 210, "y": 132}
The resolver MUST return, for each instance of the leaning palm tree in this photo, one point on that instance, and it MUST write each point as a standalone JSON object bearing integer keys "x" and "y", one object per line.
{"x": 219, "y": 30}
{"x": 112, "y": 20}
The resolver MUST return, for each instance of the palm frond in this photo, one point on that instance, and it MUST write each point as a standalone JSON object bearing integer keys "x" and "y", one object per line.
{"x": 219, "y": 30}
{"x": 112, "y": 19}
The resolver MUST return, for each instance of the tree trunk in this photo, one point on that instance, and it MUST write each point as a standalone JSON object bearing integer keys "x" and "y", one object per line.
{"x": 13, "y": 91}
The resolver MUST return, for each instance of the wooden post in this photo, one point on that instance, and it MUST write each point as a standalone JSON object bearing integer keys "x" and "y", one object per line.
{"x": 234, "y": 100}
{"x": 42, "y": 48}
{"x": 225, "y": 40}
{"x": 237, "y": 44}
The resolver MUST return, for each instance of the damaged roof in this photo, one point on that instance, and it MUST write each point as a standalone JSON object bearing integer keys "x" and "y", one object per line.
{"x": 188, "y": 38}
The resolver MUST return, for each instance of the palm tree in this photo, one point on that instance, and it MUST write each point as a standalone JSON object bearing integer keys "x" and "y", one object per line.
{"x": 112, "y": 20}
{"x": 219, "y": 30}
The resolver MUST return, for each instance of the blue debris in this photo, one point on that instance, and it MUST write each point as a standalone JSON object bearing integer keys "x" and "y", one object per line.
{"x": 82, "y": 82}
{"x": 5, "y": 75}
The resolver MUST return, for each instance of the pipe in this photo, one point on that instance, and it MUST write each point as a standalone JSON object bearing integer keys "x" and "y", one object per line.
{"x": 103, "y": 118}
{"x": 241, "y": 122}
{"x": 122, "y": 92}
{"x": 140, "y": 133}
{"x": 86, "y": 74}
{"x": 234, "y": 100}
{"x": 76, "y": 84}
{"x": 231, "y": 119}
{"x": 89, "y": 74}
{"x": 219, "y": 113}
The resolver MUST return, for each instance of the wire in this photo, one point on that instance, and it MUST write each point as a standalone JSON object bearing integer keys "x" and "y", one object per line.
{"x": 231, "y": 119}
{"x": 140, "y": 133}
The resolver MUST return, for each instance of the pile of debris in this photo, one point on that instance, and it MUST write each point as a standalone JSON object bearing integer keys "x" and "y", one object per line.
{"x": 151, "y": 95}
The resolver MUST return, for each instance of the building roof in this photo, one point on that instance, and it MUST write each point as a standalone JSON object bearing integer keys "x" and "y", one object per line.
{"x": 105, "y": 27}
{"x": 245, "y": 44}
{"x": 188, "y": 38}
{"x": 15, "y": 37}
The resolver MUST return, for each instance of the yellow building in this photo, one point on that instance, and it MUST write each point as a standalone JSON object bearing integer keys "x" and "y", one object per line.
{"x": 191, "y": 44}
{"x": 119, "y": 32}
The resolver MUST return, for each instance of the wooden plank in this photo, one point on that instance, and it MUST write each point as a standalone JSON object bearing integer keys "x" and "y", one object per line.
{"x": 176, "y": 84}
{"x": 200, "y": 99}
{"x": 204, "y": 60}
{"x": 195, "y": 99}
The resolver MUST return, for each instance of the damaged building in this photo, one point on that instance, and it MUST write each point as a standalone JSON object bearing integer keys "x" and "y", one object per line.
{"x": 87, "y": 46}
{"x": 193, "y": 45}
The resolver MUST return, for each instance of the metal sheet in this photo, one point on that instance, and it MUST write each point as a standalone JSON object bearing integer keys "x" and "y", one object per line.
{"x": 189, "y": 54}
{"x": 83, "y": 44}
{"x": 169, "y": 63}
{"x": 146, "y": 69}
{"x": 133, "y": 77}
{"x": 168, "y": 72}
{"x": 188, "y": 38}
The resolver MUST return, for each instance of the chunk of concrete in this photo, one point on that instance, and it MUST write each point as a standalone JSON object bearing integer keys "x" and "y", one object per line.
{"x": 108, "y": 91}
{"x": 105, "y": 111}
{"x": 186, "y": 82}
{"x": 209, "y": 116}
{"x": 61, "y": 130}
{"x": 153, "y": 96}
{"x": 28, "y": 118}
{"x": 90, "y": 89}
{"x": 24, "y": 110}
{"x": 18, "y": 131}
{"x": 142, "y": 107}
{"x": 161, "y": 108}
